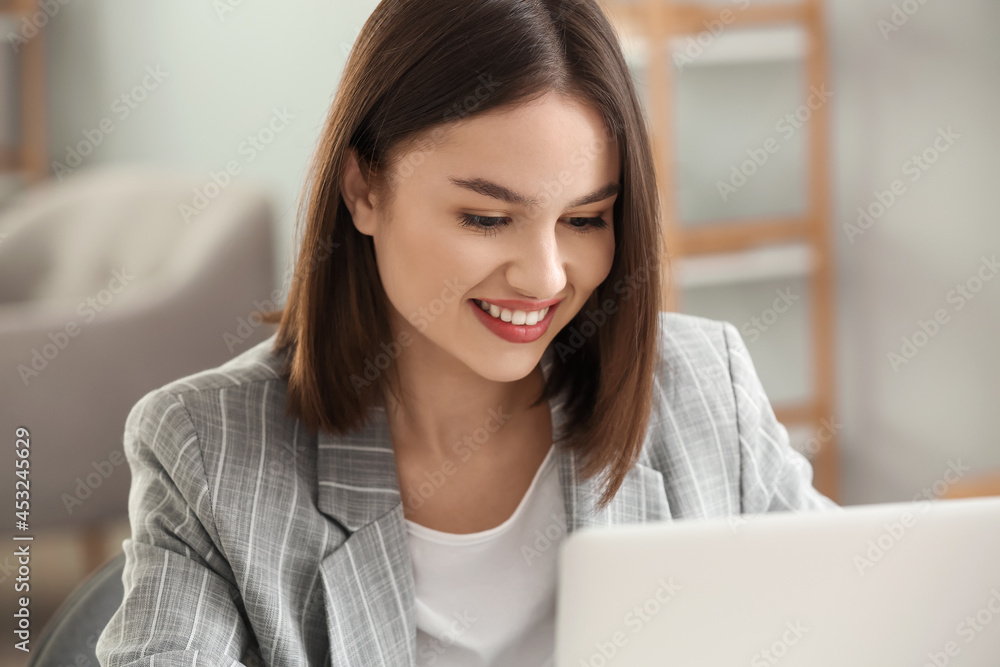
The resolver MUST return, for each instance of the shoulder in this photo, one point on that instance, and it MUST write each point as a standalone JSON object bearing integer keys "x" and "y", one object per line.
{"x": 713, "y": 433}
{"x": 706, "y": 373}
{"x": 695, "y": 350}
{"x": 209, "y": 402}
{"x": 709, "y": 358}
{"x": 222, "y": 438}
{"x": 256, "y": 365}
{"x": 694, "y": 430}
{"x": 693, "y": 394}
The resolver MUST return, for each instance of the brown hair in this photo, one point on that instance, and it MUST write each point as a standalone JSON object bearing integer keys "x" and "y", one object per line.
{"x": 415, "y": 67}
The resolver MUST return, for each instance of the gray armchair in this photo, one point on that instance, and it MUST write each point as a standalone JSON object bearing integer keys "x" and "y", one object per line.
{"x": 106, "y": 292}
{"x": 70, "y": 637}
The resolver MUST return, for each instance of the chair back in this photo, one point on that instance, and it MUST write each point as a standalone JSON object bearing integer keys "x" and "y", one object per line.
{"x": 70, "y": 636}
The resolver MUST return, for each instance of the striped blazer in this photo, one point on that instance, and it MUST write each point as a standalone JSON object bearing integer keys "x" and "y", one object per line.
{"x": 254, "y": 543}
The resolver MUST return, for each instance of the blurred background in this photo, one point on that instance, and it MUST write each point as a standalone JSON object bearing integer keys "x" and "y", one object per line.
{"x": 826, "y": 171}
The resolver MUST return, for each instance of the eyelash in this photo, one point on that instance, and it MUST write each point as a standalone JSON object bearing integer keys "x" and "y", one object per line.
{"x": 475, "y": 222}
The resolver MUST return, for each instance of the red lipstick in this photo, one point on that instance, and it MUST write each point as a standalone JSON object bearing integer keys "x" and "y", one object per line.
{"x": 517, "y": 333}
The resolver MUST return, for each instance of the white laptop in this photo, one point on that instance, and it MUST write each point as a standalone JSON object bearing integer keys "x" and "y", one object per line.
{"x": 891, "y": 585}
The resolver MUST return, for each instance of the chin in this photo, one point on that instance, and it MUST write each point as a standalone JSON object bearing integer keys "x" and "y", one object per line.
{"x": 506, "y": 368}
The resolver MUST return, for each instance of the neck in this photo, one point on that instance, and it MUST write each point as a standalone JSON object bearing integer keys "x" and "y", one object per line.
{"x": 443, "y": 405}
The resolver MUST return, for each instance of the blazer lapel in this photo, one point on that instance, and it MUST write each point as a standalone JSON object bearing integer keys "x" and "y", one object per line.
{"x": 368, "y": 586}
{"x": 641, "y": 498}
{"x": 368, "y": 580}
{"x": 368, "y": 590}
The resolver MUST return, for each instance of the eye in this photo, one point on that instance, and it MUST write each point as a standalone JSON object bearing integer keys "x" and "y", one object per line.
{"x": 588, "y": 223}
{"x": 490, "y": 226}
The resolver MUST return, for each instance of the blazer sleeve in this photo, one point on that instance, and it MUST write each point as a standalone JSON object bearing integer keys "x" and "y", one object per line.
{"x": 774, "y": 476}
{"x": 181, "y": 603}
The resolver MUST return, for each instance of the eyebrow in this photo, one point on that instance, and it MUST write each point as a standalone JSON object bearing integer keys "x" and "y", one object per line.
{"x": 505, "y": 194}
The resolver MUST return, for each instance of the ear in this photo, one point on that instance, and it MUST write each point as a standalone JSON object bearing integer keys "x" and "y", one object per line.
{"x": 358, "y": 196}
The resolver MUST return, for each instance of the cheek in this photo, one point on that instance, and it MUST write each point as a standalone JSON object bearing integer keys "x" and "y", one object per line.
{"x": 420, "y": 265}
{"x": 595, "y": 259}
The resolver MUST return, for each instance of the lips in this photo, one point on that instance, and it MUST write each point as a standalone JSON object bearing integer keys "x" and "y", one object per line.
{"x": 510, "y": 332}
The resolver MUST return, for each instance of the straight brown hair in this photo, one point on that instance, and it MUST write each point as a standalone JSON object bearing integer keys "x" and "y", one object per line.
{"x": 416, "y": 67}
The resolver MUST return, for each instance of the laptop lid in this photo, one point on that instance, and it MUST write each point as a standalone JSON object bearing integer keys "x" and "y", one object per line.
{"x": 901, "y": 584}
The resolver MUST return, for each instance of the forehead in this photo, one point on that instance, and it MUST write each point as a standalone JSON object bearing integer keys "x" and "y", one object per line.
{"x": 547, "y": 140}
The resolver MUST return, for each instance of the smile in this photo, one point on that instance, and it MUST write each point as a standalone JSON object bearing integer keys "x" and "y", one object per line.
{"x": 530, "y": 317}
{"x": 514, "y": 326}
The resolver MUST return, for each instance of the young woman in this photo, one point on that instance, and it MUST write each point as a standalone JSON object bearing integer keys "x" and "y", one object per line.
{"x": 477, "y": 369}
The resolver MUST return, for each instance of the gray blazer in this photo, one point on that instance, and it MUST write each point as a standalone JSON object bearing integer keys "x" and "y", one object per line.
{"x": 253, "y": 543}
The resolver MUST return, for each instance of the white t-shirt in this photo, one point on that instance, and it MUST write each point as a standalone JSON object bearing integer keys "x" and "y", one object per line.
{"x": 488, "y": 599}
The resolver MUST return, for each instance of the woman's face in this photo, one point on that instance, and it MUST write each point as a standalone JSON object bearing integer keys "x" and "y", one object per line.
{"x": 511, "y": 208}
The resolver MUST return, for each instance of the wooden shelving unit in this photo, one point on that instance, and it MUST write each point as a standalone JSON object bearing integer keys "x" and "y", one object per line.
{"x": 27, "y": 160}
{"x": 977, "y": 486}
{"x": 733, "y": 250}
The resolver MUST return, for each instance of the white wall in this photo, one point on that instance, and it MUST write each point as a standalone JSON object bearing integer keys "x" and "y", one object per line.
{"x": 226, "y": 73}
{"x": 941, "y": 69}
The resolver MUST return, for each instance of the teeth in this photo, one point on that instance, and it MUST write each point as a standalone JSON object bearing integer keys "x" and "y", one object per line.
{"x": 514, "y": 316}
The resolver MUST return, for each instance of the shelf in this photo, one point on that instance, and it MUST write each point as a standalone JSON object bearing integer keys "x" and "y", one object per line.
{"x": 802, "y": 437}
{"x": 756, "y": 264}
{"x": 8, "y": 159}
{"x": 17, "y": 7}
{"x": 635, "y": 48}
{"x": 27, "y": 158}
{"x": 758, "y": 45}
{"x": 731, "y": 236}
{"x": 805, "y": 430}
{"x": 977, "y": 486}
{"x": 659, "y": 38}
{"x": 734, "y": 47}
{"x": 691, "y": 18}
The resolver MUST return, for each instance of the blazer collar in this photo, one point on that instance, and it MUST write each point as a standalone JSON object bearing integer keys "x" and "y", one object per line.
{"x": 358, "y": 483}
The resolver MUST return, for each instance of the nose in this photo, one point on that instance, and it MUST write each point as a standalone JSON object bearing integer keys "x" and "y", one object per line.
{"x": 538, "y": 270}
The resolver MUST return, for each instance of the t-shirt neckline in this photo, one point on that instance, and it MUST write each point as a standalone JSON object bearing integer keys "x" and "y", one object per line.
{"x": 443, "y": 537}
